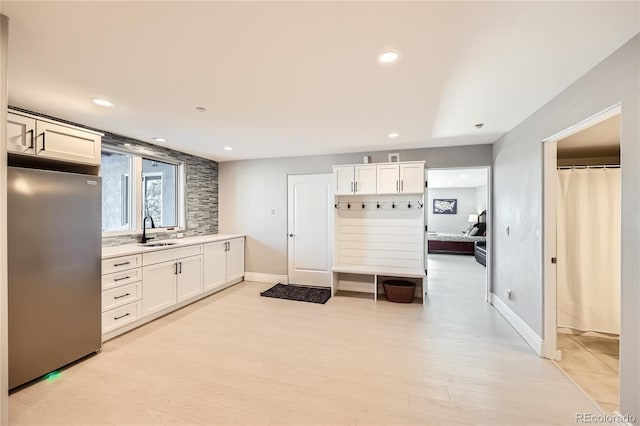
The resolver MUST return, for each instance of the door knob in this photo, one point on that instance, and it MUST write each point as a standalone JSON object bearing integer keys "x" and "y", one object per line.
{"x": 291, "y": 235}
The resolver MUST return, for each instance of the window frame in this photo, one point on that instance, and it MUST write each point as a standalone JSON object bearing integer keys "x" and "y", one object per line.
{"x": 136, "y": 191}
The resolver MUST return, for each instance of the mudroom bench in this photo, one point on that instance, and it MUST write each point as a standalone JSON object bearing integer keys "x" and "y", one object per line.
{"x": 366, "y": 279}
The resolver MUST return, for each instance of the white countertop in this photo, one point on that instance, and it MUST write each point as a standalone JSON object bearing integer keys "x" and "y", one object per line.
{"x": 128, "y": 249}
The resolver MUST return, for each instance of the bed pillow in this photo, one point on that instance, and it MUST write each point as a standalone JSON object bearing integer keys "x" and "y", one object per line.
{"x": 473, "y": 231}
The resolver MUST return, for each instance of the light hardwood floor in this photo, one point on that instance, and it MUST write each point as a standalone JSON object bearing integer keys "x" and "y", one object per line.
{"x": 238, "y": 358}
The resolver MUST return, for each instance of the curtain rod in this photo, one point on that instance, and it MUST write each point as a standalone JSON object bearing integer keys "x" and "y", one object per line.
{"x": 599, "y": 166}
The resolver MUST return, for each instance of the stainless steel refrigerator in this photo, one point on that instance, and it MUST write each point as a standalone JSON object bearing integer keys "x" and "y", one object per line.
{"x": 54, "y": 242}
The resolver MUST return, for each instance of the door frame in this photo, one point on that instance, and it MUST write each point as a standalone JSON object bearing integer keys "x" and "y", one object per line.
{"x": 549, "y": 226}
{"x": 489, "y": 266}
{"x": 331, "y": 222}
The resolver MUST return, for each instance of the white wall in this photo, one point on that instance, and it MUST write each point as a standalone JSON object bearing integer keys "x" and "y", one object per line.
{"x": 481, "y": 198}
{"x": 249, "y": 189}
{"x": 517, "y": 201}
{"x": 455, "y": 223}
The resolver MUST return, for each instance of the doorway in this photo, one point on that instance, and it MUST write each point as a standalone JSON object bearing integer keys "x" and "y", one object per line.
{"x": 310, "y": 229}
{"x": 582, "y": 255}
{"x": 457, "y": 231}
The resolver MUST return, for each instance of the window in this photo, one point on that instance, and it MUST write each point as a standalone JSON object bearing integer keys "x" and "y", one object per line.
{"x": 116, "y": 191}
{"x": 125, "y": 203}
{"x": 159, "y": 189}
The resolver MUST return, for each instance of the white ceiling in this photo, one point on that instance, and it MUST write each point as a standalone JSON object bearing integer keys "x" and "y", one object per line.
{"x": 456, "y": 178}
{"x": 301, "y": 78}
{"x": 601, "y": 139}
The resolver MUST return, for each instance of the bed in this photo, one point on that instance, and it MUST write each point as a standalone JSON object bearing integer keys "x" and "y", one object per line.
{"x": 442, "y": 242}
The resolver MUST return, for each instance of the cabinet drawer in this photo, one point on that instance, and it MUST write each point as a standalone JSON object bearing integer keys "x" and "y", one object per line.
{"x": 118, "y": 317}
{"x": 120, "y": 296}
{"x": 122, "y": 263}
{"x": 121, "y": 278}
{"x": 170, "y": 254}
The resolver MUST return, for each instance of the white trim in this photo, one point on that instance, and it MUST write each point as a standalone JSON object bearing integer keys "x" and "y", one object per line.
{"x": 4, "y": 355}
{"x": 519, "y": 325}
{"x": 266, "y": 278}
{"x": 586, "y": 123}
{"x": 549, "y": 222}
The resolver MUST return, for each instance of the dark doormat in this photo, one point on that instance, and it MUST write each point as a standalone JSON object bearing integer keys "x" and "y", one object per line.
{"x": 298, "y": 293}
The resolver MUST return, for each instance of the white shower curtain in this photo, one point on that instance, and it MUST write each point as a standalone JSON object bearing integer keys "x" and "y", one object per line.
{"x": 589, "y": 249}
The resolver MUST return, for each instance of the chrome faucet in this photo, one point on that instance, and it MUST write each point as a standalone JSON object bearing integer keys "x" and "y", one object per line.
{"x": 144, "y": 238}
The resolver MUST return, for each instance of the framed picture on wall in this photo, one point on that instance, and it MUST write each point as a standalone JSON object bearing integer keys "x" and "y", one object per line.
{"x": 445, "y": 206}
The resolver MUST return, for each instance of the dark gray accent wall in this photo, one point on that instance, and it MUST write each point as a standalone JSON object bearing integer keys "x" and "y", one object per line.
{"x": 201, "y": 193}
{"x": 518, "y": 197}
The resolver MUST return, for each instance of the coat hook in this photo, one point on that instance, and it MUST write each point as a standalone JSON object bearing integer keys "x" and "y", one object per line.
{"x": 363, "y": 205}
{"x": 348, "y": 205}
{"x": 393, "y": 205}
{"x": 377, "y": 204}
{"x": 409, "y": 204}
{"x": 420, "y": 205}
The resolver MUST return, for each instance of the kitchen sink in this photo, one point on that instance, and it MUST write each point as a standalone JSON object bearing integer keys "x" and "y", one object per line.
{"x": 158, "y": 244}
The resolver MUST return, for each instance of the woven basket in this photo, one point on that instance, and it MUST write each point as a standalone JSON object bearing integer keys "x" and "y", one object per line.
{"x": 399, "y": 291}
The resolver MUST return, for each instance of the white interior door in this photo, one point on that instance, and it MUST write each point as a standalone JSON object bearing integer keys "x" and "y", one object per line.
{"x": 310, "y": 229}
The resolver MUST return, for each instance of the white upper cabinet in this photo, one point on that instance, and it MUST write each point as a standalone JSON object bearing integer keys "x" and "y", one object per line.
{"x": 388, "y": 178}
{"x": 67, "y": 144}
{"x": 45, "y": 139}
{"x": 21, "y": 134}
{"x": 359, "y": 179}
{"x": 343, "y": 178}
{"x": 365, "y": 180}
{"x": 411, "y": 178}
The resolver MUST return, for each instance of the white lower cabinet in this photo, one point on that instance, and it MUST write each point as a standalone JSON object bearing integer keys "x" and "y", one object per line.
{"x": 223, "y": 263}
{"x": 168, "y": 283}
{"x": 159, "y": 287}
{"x": 189, "y": 278}
{"x": 138, "y": 288}
{"x": 121, "y": 292}
{"x": 215, "y": 265}
{"x": 235, "y": 259}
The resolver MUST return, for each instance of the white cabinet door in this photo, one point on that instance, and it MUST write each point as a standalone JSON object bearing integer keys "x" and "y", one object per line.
{"x": 235, "y": 259}
{"x": 365, "y": 179}
{"x": 189, "y": 277}
{"x": 159, "y": 287}
{"x": 343, "y": 177}
{"x": 20, "y": 134}
{"x": 412, "y": 178}
{"x": 215, "y": 265}
{"x": 67, "y": 144}
{"x": 388, "y": 179}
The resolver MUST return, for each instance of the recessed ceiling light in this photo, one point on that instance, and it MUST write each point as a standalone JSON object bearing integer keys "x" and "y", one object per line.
{"x": 479, "y": 126}
{"x": 463, "y": 176}
{"x": 159, "y": 139}
{"x": 103, "y": 102}
{"x": 393, "y": 135}
{"x": 228, "y": 148}
{"x": 388, "y": 57}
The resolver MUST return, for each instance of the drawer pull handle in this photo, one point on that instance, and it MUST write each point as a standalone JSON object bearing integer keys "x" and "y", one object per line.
{"x": 123, "y": 278}
{"x": 122, "y": 316}
{"x": 121, "y": 264}
{"x": 120, "y": 297}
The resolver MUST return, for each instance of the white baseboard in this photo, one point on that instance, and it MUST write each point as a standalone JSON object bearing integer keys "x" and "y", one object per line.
{"x": 266, "y": 278}
{"x": 519, "y": 325}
